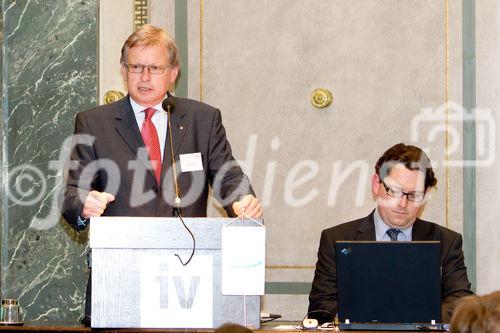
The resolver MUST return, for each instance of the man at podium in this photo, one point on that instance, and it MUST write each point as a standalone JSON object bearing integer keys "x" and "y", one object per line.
{"x": 121, "y": 163}
{"x": 130, "y": 159}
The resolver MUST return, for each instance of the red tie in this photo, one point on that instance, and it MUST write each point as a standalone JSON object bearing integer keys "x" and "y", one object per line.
{"x": 150, "y": 137}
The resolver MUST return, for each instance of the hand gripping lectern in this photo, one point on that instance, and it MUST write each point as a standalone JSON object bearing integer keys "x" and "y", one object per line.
{"x": 138, "y": 282}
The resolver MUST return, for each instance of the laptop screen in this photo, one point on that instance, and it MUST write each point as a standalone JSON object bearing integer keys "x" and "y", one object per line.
{"x": 388, "y": 282}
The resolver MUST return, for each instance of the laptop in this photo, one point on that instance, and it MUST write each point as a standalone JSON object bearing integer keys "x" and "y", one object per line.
{"x": 389, "y": 285}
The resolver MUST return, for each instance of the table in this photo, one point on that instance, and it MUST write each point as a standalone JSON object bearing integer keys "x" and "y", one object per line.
{"x": 49, "y": 328}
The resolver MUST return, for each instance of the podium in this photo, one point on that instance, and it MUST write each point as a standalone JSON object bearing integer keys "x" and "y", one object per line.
{"x": 138, "y": 282}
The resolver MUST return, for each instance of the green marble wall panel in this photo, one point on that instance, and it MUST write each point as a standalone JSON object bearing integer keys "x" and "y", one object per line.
{"x": 49, "y": 62}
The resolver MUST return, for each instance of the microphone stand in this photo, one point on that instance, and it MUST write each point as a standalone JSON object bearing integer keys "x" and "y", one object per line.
{"x": 177, "y": 200}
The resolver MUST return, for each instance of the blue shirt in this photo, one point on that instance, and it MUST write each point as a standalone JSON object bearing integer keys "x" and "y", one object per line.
{"x": 381, "y": 227}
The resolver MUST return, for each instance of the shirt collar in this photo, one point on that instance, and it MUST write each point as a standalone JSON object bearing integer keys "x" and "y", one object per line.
{"x": 381, "y": 227}
{"x": 139, "y": 108}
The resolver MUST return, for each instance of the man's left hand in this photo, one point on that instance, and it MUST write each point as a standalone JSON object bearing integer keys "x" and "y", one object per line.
{"x": 249, "y": 205}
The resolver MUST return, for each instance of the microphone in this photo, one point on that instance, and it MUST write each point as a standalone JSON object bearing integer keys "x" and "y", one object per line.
{"x": 168, "y": 104}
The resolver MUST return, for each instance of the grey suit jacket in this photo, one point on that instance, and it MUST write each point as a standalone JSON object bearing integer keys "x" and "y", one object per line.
{"x": 116, "y": 161}
{"x": 454, "y": 281}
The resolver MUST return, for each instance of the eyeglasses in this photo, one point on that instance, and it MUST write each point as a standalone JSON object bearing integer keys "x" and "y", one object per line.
{"x": 155, "y": 70}
{"x": 397, "y": 193}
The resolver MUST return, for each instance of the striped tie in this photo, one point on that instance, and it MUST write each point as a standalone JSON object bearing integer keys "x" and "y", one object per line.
{"x": 150, "y": 138}
{"x": 393, "y": 234}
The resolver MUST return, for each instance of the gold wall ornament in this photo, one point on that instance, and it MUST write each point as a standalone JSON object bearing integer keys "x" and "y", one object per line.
{"x": 112, "y": 96}
{"x": 321, "y": 98}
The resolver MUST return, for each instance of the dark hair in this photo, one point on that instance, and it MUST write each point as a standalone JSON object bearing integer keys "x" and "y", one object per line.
{"x": 411, "y": 157}
{"x": 477, "y": 314}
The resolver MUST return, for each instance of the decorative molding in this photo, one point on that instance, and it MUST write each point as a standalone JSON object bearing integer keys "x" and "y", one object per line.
{"x": 289, "y": 267}
{"x": 141, "y": 13}
{"x": 469, "y": 133}
{"x": 447, "y": 109}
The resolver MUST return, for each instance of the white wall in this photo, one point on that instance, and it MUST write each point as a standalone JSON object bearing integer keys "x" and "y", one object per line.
{"x": 116, "y": 23}
{"x": 488, "y": 178}
{"x": 383, "y": 60}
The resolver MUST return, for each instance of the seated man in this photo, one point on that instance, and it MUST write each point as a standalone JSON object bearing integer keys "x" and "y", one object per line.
{"x": 403, "y": 175}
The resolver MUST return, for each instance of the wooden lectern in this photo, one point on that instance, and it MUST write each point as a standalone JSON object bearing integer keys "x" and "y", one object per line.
{"x": 138, "y": 282}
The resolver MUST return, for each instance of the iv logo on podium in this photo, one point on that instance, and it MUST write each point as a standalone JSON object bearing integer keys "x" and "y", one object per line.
{"x": 173, "y": 295}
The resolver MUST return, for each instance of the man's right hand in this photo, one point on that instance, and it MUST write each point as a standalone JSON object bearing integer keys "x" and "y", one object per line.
{"x": 95, "y": 204}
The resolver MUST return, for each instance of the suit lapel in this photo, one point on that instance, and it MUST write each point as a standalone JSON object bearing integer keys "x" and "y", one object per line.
{"x": 179, "y": 129}
{"x": 421, "y": 231}
{"x": 366, "y": 229}
{"x": 128, "y": 130}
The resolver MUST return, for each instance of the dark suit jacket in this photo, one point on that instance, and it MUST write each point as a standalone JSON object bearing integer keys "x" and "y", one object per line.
{"x": 454, "y": 281}
{"x": 196, "y": 127}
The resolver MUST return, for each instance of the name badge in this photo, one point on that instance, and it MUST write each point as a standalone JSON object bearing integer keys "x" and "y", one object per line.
{"x": 191, "y": 162}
